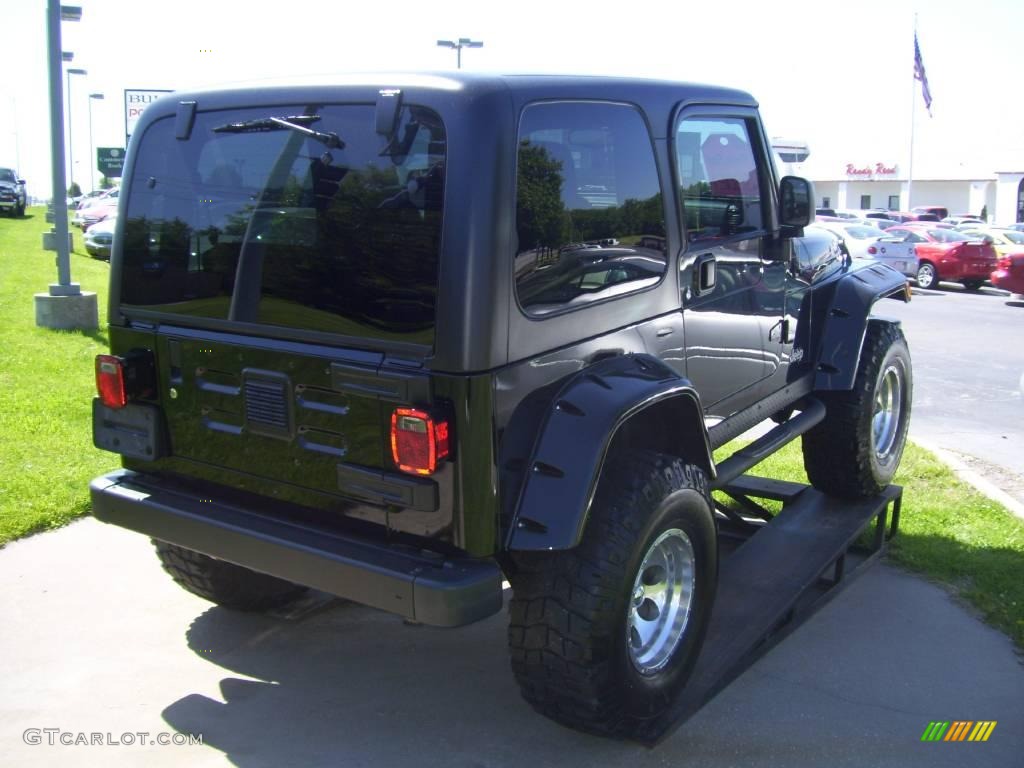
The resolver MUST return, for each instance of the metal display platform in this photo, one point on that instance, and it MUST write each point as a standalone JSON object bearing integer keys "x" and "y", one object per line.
{"x": 775, "y": 571}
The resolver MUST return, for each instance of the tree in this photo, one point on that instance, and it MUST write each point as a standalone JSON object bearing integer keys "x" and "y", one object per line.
{"x": 106, "y": 183}
{"x": 74, "y": 190}
{"x": 539, "y": 209}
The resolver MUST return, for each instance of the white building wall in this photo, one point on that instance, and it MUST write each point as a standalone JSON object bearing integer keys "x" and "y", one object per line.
{"x": 1007, "y": 188}
{"x": 877, "y": 191}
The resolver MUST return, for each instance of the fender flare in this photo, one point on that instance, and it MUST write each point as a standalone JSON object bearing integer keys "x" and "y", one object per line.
{"x": 582, "y": 418}
{"x": 846, "y": 322}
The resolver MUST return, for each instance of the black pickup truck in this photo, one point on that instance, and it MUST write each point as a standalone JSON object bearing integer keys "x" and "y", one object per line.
{"x": 402, "y": 339}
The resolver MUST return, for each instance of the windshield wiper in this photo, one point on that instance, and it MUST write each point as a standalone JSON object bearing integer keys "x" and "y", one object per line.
{"x": 329, "y": 139}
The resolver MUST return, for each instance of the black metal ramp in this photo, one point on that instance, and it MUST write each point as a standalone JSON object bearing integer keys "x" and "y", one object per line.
{"x": 784, "y": 571}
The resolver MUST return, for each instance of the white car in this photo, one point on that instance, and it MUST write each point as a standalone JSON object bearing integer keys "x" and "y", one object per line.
{"x": 99, "y": 238}
{"x": 857, "y": 237}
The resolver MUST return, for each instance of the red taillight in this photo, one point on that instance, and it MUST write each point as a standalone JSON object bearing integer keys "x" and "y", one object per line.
{"x": 872, "y": 250}
{"x": 418, "y": 442}
{"x": 110, "y": 381}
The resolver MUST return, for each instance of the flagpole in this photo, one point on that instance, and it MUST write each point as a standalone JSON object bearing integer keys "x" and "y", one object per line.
{"x": 913, "y": 112}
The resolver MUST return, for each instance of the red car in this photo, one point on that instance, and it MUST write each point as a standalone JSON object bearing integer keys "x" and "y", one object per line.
{"x": 944, "y": 254}
{"x": 1009, "y": 274}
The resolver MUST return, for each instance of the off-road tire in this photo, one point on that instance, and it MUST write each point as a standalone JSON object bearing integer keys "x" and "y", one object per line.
{"x": 569, "y": 619}
{"x": 844, "y": 455}
{"x": 927, "y": 276}
{"x": 225, "y": 583}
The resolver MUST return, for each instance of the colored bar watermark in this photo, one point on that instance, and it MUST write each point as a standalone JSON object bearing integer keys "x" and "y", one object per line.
{"x": 959, "y": 730}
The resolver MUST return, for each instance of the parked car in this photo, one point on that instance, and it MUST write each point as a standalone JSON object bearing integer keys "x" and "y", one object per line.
{"x": 943, "y": 254}
{"x": 940, "y": 211}
{"x": 907, "y": 216}
{"x": 99, "y": 238}
{"x": 81, "y": 200}
{"x": 358, "y": 395}
{"x": 879, "y": 222}
{"x": 1019, "y": 226}
{"x": 98, "y": 198}
{"x": 855, "y": 237}
{"x": 1007, "y": 242}
{"x": 12, "y": 193}
{"x": 1009, "y": 273}
{"x": 93, "y": 214}
{"x": 958, "y": 221}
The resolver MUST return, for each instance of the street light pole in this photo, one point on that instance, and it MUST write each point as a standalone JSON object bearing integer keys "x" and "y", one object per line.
{"x": 65, "y": 305}
{"x": 71, "y": 135}
{"x": 463, "y": 42}
{"x": 92, "y": 151}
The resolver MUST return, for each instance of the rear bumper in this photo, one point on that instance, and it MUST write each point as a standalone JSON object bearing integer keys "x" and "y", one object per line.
{"x": 433, "y": 590}
{"x": 958, "y": 270}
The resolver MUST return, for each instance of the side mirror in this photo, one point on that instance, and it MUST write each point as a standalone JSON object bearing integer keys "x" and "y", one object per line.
{"x": 796, "y": 202}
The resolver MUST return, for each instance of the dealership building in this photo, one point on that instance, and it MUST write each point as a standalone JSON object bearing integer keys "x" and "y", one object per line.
{"x": 883, "y": 183}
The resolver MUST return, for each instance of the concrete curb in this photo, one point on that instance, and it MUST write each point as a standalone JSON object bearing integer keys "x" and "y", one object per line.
{"x": 972, "y": 477}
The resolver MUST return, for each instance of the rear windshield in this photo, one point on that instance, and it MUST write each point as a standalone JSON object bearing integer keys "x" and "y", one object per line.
{"x": 253, "y": 221}
{"x": 949, "y": 236}
{"x": 862, "y": 233}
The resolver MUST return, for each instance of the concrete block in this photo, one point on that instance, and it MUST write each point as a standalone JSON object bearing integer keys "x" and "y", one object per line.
{"x": 68, "y": 312}
{"x": 50, "y": 241}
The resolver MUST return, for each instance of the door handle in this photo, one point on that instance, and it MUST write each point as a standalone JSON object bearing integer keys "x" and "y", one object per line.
{"x": 705, "y": 274}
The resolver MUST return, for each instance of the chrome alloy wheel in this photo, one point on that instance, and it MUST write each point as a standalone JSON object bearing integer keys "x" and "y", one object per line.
{"x": 885, "y": 419}
{"x": 661, "y": 600}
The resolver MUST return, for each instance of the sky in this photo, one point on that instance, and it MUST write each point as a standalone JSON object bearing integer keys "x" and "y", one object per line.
{"x": 839, "y": 76}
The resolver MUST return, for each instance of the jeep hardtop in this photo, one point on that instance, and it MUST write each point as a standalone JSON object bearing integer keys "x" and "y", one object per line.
{"x": 402, "y": 337}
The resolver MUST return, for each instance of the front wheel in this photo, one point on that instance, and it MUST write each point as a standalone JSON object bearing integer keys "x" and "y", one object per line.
{"x": 926, "y": 275}
{"x": 603, "y": 637}
{"x": 855, "y": 451}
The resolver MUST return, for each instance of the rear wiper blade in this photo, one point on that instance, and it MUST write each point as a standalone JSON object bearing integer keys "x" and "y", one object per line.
{"x": 329, "y": 139}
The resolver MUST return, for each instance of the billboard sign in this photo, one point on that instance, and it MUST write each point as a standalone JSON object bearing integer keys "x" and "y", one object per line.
{"x": 135, "y": 103}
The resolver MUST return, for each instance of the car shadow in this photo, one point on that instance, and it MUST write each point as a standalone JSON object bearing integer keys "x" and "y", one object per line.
{"x": 1017, "y": 303}
{"x": 348, "y": 685}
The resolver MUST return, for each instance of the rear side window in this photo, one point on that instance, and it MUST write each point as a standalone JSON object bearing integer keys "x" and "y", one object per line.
{"x": 718, "y": 178}
{"x": 589, "y": 214}
{"x": 256, "y": 222}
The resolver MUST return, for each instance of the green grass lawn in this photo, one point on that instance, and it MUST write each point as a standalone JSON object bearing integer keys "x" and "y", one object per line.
{"x": 46, "y": 386}
{"x": 948, "y": 531}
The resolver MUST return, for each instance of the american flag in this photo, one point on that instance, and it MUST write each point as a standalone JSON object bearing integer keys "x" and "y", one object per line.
{"x": 919, "y": 74}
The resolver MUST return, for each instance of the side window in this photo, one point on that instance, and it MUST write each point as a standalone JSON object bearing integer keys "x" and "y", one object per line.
{"x": 589, "y": 214}
{"x": 719, "y": 184}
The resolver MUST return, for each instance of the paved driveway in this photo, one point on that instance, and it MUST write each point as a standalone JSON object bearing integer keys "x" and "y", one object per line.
{"x": 96, "y": 639}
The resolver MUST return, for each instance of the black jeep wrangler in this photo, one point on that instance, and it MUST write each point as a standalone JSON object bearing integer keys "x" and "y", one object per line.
{"x": 402, "y": 339}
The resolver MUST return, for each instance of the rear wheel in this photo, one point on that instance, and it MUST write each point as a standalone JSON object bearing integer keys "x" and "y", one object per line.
{"x": 225, "y": 583}
{"x": 926, "y": 275}
{"x": 856, "y": 449}
{"x": 603, "y": 637}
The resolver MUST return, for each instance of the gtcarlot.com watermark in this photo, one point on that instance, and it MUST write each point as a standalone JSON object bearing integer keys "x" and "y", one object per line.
{"x": 55, "y": 736}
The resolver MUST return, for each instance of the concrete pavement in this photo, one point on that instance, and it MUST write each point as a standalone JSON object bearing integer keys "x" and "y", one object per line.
{"x": 97, "y": 639}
